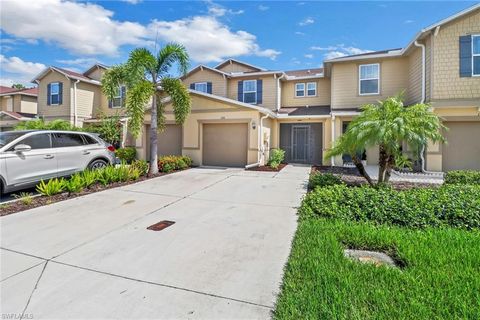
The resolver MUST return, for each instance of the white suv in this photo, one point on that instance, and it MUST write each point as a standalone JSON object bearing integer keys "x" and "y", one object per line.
{"x": 27, "y": 157}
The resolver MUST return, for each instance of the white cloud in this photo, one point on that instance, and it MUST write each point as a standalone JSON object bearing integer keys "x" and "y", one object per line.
{"x": 408, "y": 21}
{"x": 87, "y": 29}
{"x": 309, "y": 56}
{"x": 263, "y": 7}
{"x": 298, "y": 33}
{"x": 306, "y": 21}
{"x": 339, "y": 50}
{"x": 207, "y": 39}
{"x": 132, "y": 1}
{"x": 15, "y": 70}
{"x": 82, "y": 63}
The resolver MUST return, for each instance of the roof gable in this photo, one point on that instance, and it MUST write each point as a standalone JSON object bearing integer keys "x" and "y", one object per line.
{"x": 232, "y": 65}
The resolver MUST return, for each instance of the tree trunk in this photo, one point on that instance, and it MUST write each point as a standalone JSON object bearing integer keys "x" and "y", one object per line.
{"x": 382, "y": 164}
{"x": 390, "y": 164}
{"x": 358, "y": 163}
{"x": 153, "y": 138}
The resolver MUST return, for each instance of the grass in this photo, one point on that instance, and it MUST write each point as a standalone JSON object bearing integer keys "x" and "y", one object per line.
{"x": 440, "y": 277}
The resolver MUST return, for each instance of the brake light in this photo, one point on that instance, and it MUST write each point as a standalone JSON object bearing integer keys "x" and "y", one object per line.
{"x": 111, "y": 148}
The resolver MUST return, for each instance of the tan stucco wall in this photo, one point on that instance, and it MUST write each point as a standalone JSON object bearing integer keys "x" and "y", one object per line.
{"x": 269, "y": 89}
{"x": 236, "y": 67}
{"x": 345, "y": 93}
{"x": 446, "y": 80}
{"x": 219, "y": 83}
{"x": 53, "y": 112}
{"x": 321, "y": 99}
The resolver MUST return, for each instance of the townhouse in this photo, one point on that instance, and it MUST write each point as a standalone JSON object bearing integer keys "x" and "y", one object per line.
{"x": 241, "y": 111}
{"x": 16, "y": 105}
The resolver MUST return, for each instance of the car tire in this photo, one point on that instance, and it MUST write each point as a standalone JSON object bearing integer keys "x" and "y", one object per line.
{"x": 97, "y": 164}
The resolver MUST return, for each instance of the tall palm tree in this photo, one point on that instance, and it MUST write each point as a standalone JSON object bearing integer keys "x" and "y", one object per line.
{"x": 388, "y": 125}
{"x": 147, "y": 79}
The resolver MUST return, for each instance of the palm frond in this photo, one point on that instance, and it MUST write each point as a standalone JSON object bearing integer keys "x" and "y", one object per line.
{"x": 179, "y": 96}
{"x": 170, "y": 54}
{"x": 137, "y": 98}
{"x": 141, "y": 64}
{"x": 112, "y": 79}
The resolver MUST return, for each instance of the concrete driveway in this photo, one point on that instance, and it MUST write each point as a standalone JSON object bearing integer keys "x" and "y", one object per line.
{"x": 93, "y": 257}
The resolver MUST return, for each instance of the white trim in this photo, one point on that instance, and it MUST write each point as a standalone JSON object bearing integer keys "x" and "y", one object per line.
{"x": 118, "y": 97}
{"x": 58, "y": 93}
{"x": 306, "y": 89}
{"x": 320, "y": 116}
{"x": 248, "y": 74}
{"x": 199, "y": 83}
{"x": 201, "y": 67}
{"x": 239, "y": 62}
{"x": 46, "y": 70}
{"x": 256, "y": 90}
{"x": 475, "y": 55}
{"x": 296, "y": 90}
{"x": 22, "y": 118}
{"x": 344, "y": 113}
{"x": 18, "y": 93}
{"x": 360, "y": 79}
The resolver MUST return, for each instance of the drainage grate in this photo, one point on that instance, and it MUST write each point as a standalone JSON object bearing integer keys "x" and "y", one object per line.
{"x": 161, "y": 225}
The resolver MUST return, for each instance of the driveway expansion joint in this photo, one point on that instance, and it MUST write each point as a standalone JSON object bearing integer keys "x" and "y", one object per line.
{"x": 33, "y": 290}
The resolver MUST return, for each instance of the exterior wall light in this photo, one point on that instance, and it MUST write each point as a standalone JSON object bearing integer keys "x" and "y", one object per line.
{"x": 254, "y": 125}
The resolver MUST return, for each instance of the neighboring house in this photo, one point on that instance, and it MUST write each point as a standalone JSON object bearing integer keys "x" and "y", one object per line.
{"x": 240, "y": 111}
{"x": 16, "y": 105}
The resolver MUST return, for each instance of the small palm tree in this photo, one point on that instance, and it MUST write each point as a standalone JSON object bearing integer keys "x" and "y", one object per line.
{"x": 147, "y": 79}
{"x": 388, "y": 124}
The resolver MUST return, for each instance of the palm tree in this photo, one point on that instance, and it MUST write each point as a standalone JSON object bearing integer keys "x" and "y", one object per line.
{"x": 388, "y": 124}
{"x": 147, "y": 79}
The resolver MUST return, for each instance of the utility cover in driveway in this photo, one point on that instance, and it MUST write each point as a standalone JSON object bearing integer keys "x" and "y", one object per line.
{"x": 225, "y": 144}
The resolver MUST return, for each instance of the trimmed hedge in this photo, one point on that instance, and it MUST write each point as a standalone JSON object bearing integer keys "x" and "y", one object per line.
{"x": 171, "y": 163}
{"x": 462, "y": 177}
{"x": 318, "y": 179}
{"x": 127, "y": 154}
{"x": 450, "y": 205}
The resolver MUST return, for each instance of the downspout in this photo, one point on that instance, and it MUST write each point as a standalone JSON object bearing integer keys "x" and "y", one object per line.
{"x": 261, "y": 149}
{"x": 332, "y": 160}
{"x": 75, "y": 102}
{"x": 424, "y": 79}
{"x": 279, "y": 91}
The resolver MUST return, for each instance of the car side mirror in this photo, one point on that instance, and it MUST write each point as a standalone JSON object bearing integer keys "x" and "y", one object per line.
{"x": 22, "y": 147}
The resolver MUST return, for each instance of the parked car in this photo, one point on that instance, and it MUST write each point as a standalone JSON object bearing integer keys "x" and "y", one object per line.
{"x": 27, "y": 157}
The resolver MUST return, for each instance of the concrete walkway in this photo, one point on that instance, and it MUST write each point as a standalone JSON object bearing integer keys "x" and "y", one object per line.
{"x": 92, "y": 257}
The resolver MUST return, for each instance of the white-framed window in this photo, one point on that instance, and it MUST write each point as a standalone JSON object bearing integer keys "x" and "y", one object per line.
{"x": 54, "y": 93}
{"x": 201, "y": 86}
{"x": 119, "y": 99}
{"x": 311, "y": 89}
{"x": 250, "y": 91}
{"x": 299, "y": 90}
{"x": 476, "y": 55}
{"x": 369, "y": 79}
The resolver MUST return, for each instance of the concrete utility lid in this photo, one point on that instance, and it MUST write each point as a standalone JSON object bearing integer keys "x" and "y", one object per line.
{"x": 374, "y": 257}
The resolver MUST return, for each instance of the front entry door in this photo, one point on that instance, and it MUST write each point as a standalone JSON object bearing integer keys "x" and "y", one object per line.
{"x": 300, "y": 143}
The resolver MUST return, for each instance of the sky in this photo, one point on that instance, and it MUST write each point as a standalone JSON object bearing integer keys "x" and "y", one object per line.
{"x": 277, "y": 35}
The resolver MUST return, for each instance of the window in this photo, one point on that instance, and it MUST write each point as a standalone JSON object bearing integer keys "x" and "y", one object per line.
{"x": 369, "y": 79}
{"x": 311, "y": 89}
{"x": 9, "y": 136}
{"x": 38, "y": 141}
{"x": 476, "y": 55}
{"x": 299, "y": 89}
{"x": 54, "y": 93}
{"x": 119, "y": 99}
{"x": 61, "y": 140}
{"x": 89, "y": 140}
{"x": 201, "y": 86}
{"x": 250, "y": 91}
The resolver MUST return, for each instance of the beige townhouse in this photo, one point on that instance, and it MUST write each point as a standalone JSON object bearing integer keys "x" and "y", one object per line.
{"x": 16, "y": 105}
{"x": 241, "y": 111}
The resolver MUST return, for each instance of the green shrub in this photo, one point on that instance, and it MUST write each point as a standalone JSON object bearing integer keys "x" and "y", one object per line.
{"x": 127, "y": 154}
{"x": 24, "y": 197}
{"x": 462, "y": 177}
{"x": 450, "y": 205}
{"x": 318, "y": 179}
{"x": 52, "y": 187}
{"x": 89, "y": 177}
{"x": 276, "y": 157}
{"x": 42, "y": 125}
{"x": 171, "y": 163}
{"x": 133, "y": 173}
{"x": 75, "y": 183}
{"x": 141, "y": 166}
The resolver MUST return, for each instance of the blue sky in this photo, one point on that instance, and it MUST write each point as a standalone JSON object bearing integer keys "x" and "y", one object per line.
{"x": 280, "y": 35}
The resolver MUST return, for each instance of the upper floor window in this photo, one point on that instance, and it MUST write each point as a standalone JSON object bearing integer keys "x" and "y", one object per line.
{"x": 369, "y": 79}
{"x": 250, "y": 91}
{"x": 119, "y": 98}
{"x": 54, "y": 94}
{"x": 299, "y": 89}
{"x": 311, "y": 89}
{"x": 476, "y": 55}
{"x": 201, "y": 86}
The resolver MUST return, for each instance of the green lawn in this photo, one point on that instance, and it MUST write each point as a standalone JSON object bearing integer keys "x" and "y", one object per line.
{"x": 440, "y": 278}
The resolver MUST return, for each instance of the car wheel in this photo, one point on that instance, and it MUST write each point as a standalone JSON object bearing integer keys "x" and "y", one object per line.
{"x": 97, "y": 164}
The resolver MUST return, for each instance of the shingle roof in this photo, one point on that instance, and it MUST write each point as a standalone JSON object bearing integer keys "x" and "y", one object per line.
{"x": 29, "y": 91}
{"x": 73, "y": 73}
{"x": 305, "y": 111}
{"x": 304, "y": 72}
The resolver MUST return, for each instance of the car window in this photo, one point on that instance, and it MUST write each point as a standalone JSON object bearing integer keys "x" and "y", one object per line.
{"x": 7, "y": 137}
{"x": 38, "y": 141}
{"x": 89, "y": 140}
{"x": 61, "y": 140}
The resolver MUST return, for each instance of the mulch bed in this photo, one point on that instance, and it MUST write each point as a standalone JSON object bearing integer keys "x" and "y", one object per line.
{"x": 268, "y": 168}
{"x": 39, "y": 201}
{"x": 352, "y": 177}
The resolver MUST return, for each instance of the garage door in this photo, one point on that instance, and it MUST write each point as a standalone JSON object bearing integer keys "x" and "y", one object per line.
{"x": 463, "y": 148}
{"x": 169, "y": 141}
{"x": 225, "y": 144}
